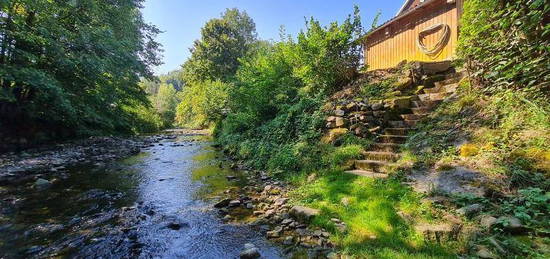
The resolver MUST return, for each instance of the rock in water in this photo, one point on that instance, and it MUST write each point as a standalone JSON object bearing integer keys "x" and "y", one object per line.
{"x": 250, "y": 252}
{"x": 42, "y": 184}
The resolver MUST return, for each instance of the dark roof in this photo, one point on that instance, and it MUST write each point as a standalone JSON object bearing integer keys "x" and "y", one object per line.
{"x": 401, "y": 14}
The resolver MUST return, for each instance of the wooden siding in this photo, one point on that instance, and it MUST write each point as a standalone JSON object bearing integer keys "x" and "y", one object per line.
{"x": 396, "y": 42}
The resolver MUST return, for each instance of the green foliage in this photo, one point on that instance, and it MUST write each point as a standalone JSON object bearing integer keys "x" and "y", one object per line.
{"x": 531, "y": 206}
{"x": 202, "y": 103}
{"x": 69, "y": 68}
{"x": 378, "y": 90}
{"x": 275, "y": 117}
{"x": 507, "y": 43}
{"x": 223, "y": 41}
{"x": 164, "y": 103}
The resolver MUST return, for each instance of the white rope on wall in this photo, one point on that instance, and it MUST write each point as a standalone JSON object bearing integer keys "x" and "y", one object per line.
{"x": 440, "y": 43}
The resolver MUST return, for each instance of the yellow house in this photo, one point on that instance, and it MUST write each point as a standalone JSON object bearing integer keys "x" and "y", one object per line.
{"x": 422, "y": 30}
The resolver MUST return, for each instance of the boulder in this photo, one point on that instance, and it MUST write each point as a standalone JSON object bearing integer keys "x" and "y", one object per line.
{"x": 512, "y": 224}
{"x": 331, "y": 118}
{"x": 280, "y": 201}
{"x": 470, "y": 210}
{"x": 234, "y": 203}
{"x": 377, "y": 106}
{"x": 250, "y": 253}
{"x": 439, "y": 232}
{"x": 42, "y": 184}
{"x": 334, "y": 134}
{"x": 484, "y": 252}
{"x": 303, "y": 214}
{"x": 339, "y": 113}
{"x": 487, "y": 221}
{"x": 340, "y": 122}
{"x": 403, "y": 83}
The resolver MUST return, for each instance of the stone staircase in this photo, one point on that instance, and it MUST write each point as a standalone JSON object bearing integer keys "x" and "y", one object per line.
{"x": 382, "y": 155}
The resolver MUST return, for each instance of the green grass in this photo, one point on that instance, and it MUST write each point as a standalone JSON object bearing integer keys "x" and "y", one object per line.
{"x": 375, "y": 230}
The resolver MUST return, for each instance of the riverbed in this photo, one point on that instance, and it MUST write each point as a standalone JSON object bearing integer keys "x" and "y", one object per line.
{"x": 156, "y": 203}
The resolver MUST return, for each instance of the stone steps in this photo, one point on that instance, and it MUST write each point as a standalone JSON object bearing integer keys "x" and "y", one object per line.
{"x": 449, "y": 81}
{"x": 396, "y": 131}
{"x": 422, "y": 110}
{"x": 442, "y": 89}
{"x": 366, "y": 173}
{"x": 372, "y": 165}
{"x": 430, "y": 104}
{"x": 385, "y": 147}
{"x": 385, "y": 152}
{"x": 403, "y": 123}
{"x": 381, "y": 156}
{"x": 413, "y": 116}
{"x": 392, "y": 139}
{"x": 432, "y": 97}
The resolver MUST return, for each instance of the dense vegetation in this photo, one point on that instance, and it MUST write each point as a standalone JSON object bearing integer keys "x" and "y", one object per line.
{"x": 267, "y": 109}
{"x": 70, "y": 68}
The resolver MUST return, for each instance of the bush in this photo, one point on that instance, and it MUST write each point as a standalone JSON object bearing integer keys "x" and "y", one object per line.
{"x": 506, "y": 43}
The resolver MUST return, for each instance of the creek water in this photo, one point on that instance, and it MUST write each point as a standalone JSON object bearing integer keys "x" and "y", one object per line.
{"x": 152, "y": 205}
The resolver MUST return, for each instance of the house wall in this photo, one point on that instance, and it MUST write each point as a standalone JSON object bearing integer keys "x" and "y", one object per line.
{"x": 396, "y": 42}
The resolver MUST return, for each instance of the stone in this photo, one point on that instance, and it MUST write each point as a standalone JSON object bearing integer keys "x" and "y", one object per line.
{"x": 484, "y": 252}
{"x": 512, "y": 224}
{"x": 334, "y": 134}
{"x": 249, "y": 246}
{"x": 377, "y": 106}
{"x": 222, "y": 203}
{"x": 275, "y": 233}
{"x": 280, "y": 201}
{"x": 470, "y": 210}
{"x": 345, "y": 201}
{"x": 351, "y": 106}
{"x": 174, "y": 226}
{"x": 302, "y": 213}
{"x": 258, "y": 213}
{"x": 286, "y": 222}
{"x": 42, "y": 184}
{"x": 340, "y": 122}
{"x": 311, "y": 177}
{"x": 341, "y": 227}
{"x": 234, "y": 203}
{"x": 331, "y": 118}
{"x": 487, "y": 221}
{"x": 438, "y": 232}
{"x": 339, "y": 113}
{"x": 269, "y": 213}
{"x": 289, "y": 240}
{"x": 379, "y": 113}
{"x": 251, "y": 253}
{"x": 250, "y": 206}
{"x": 335, "y": 220}
{"x": 403, "y": 83}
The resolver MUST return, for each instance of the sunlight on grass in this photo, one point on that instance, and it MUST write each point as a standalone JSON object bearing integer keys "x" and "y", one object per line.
{"x": 370, "y": 211}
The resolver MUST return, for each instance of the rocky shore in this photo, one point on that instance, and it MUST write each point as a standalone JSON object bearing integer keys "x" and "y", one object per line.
{"x": 264, "y": 204}
{"x": 52, "y": 160}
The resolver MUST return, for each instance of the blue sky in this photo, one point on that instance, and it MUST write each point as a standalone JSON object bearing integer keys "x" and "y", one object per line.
{"x": 181, "y": 20}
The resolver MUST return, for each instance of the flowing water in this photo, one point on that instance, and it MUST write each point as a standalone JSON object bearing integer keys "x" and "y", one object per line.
{"x": 151, "y": 205}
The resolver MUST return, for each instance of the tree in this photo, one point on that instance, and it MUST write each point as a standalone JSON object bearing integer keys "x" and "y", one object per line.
{"x": 73, "y": 67}
{"x": 223, "y": 41}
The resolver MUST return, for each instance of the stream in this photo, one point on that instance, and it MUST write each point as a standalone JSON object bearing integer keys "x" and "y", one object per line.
{"x": 156, "y": 204}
